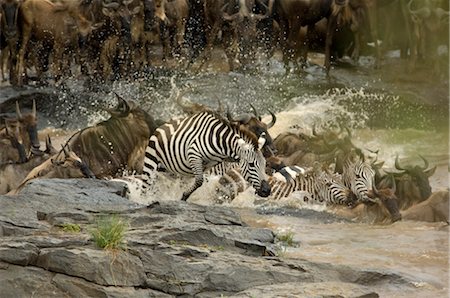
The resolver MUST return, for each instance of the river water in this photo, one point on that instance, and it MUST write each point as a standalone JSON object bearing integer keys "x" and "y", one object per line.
{"x": 390, "y": 110}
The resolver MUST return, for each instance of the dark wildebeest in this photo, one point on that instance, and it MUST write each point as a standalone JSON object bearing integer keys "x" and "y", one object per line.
{"x": 412, "y": 184}
{"x": 172, "y": 17}
{"x": 22, "y": 129}
{"x": 60, "y": 26}
{"x": 9, "y": 36}
{"x": 117, "y": 145}
{"x": 237, "y": 22}
{"x": 107, "y": 52}
{"x": 293, "y": 14}
{"x": 11, "y": 143}
{"x": 11, "y": 175}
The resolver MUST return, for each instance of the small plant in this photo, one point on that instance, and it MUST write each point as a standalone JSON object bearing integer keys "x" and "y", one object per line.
{"x": 287, "y": 238}
{"x": 109, "y": 232}
{"x": 71, "y": 227}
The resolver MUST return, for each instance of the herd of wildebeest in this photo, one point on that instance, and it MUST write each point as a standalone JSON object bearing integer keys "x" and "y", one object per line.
{"x": 116, "y": 148}
{"x": 109, "y": 39}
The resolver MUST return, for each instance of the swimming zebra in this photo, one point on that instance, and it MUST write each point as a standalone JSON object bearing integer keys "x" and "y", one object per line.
{"x": 201, "y": 141}
{"x": 358, "y": 175}
{"x": 320, "y": 186}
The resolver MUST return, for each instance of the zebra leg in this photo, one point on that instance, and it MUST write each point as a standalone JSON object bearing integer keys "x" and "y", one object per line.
{"x": 197, "y": 184}
{"x": 197, "y": 167}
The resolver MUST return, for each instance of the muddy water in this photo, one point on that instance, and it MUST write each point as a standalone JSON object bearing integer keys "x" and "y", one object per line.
{"x": 388, "y": 110}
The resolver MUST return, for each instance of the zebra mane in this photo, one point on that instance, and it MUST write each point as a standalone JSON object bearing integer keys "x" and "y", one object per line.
{"x": 241, "y": 130}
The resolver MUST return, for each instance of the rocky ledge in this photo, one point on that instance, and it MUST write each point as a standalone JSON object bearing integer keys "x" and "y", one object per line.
{"x": 171, "y": 249}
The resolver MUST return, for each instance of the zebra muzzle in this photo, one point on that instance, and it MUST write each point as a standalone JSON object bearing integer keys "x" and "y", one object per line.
{"x": 264, "y": 190}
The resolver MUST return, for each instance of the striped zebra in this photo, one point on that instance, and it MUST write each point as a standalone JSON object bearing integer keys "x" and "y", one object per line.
{"x": 201, "y": 141}
{"x": 320, "y": 186}
{"x": 358, "y": 175}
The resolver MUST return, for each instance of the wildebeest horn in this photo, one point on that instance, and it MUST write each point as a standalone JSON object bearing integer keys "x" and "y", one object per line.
{"x": 66, "y": 153}
{"x": 122, "y": 106}
{"x": 394, "y": 186}
{"x": 273, "y": 121}
{"x": 255, "y": 112}
{"x": 33, "y": 111}
{"x": 397, "y": 164}
{"x": 113, "y": 5}
{"x": 426, "y": 163}
{"x": 19, "y": 114}
{"x": 374, "y": 188}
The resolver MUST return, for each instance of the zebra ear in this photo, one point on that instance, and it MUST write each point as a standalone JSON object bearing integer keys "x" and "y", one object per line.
{"x": 261, "y": 140}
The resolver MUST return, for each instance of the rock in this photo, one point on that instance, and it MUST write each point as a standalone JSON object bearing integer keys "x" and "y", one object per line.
{"x": 172, "y": 248}
{"x": 110, "y": 268}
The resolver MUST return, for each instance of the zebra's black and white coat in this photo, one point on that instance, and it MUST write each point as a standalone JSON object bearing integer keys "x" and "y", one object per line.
{"x": 319, "y": 186}
{"x": 359, "y": 176}
{"x": 201, "y": 141}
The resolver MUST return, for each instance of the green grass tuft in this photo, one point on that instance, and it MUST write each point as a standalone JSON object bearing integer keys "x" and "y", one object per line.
{"x": 287, "y": 238}
{"x": 109, "y": 232}
{"x": 71, "y": 228}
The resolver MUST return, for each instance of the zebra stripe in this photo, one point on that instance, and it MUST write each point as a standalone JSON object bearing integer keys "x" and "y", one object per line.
{"x": 320, "y": 186}
{"x": 358, "y": 175}
{"x": 201, "y": 141}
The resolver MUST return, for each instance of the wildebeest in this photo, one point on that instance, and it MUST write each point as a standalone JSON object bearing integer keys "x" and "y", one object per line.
{"x": 117, "y": 145}
{"x": 9, "y": 36}
{"x": 433, "y": 209}
{"x": 172, "y": 17}
{"x": 64, "y": 164}
{"x": 59, "y": 26}
{"x": 412, "y": 184}
{"x": 237, "y": 22}
{"x": 12, "y": 174}
{"x": 11, "y": 143}
{"x": 293, "y": 14}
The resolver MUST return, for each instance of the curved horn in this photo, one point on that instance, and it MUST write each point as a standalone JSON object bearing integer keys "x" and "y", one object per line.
{"x": 33, "y": 111}
{"x": 113, "y": 5}
{"x": 374, "y": 188}
{"x": 273, "y": 121}
{"x": 394, "y": 186}
{"x": 19, "y": 114}
{"x": 229, "y": 116}
{"x": 426, "y": 163}
{"x": 255, "y": 112}
{"x": 66, "y": 153}
{"x": 122, "y": 103}
{"x": 397, "y": 164}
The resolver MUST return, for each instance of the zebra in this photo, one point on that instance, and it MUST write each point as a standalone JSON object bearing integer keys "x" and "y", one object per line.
{"x": 359, "y": 176}
{"x": 320, "y": 186}
{"x": 201, "y": 141}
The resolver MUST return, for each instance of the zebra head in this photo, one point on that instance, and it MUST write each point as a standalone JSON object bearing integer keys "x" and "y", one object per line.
{"x": 253, "y": 165}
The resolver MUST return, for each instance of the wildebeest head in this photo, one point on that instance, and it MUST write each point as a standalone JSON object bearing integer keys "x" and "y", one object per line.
{"x": 28, "y": 127}
{"x": 416, "y": 176}
{"x": 12, "y": 133}
{"x": 388, "y": 200}
{"x": 120, "y": 14}
{"x": 254, "y": 123}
